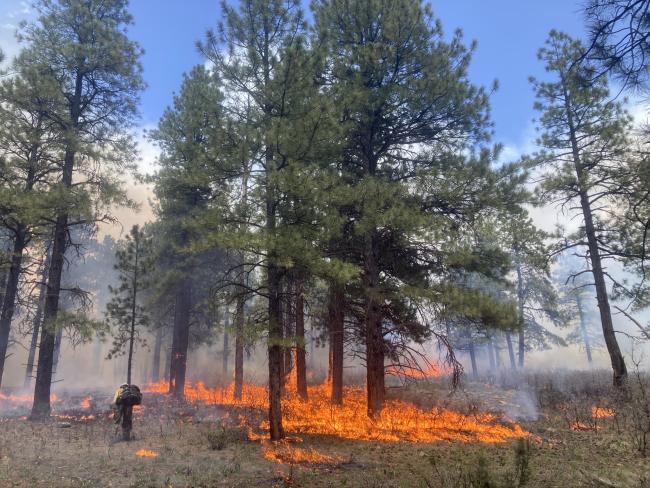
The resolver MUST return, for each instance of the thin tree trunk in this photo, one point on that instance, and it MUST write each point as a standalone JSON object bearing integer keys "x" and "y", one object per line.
{"x": 616, "y": 357}
{"x": 57, "y": 353}
{"x": 157, "y": 346}
{"x": 511, "y": 351}
{"x": 239, "y": 346}
{"x": 520, "y": 310}
{"x": 134, "y": 302}
{"x": 490, "y": 351}
{"x": 168, "y": 361}
{"x": 11, "y": 291}
{"x": 38, "y": 318}
{"x": 497, "y": 351}
{"x": 472, "y": 357}
{"x": 336, "y": 316}
{"x": 288, "y": 323}
{"x": 583, "y": 329}
{"x": 180, "y": 339}
{"x": 301, "y": 366}
{"x": 226, "y": 346}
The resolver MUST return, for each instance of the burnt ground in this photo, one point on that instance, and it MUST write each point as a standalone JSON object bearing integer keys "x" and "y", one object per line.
{"x": 199, "y": 446}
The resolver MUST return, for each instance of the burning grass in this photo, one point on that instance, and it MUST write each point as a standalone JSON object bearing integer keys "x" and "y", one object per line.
{"x": 85, "y": 454}
{"x": 399, "y": 421}
{"x": 146, "y": 453}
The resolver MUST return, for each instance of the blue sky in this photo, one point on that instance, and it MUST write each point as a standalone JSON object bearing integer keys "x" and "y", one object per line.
{"x": 508, "y": 33}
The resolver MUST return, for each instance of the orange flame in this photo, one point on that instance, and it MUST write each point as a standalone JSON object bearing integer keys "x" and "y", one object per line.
{"x": 22, "y": 398}
{"x": 146, "y": 453}
{"x": 432, "y": 371}
{"x": 602, "y": 412}
{"x": 399, "y": 421}
{"x": 284, "y": 453}
{"x": 85, "y": 403}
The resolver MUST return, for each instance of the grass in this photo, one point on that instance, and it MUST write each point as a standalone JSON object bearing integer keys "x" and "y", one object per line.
{"x": 192, "y": 453}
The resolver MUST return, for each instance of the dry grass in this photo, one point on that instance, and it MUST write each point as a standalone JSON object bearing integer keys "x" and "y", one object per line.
{"x": 210, "y": 453}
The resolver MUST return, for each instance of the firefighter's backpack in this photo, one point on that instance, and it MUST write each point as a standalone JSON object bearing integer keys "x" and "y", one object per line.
{"x": 130, "y": 396}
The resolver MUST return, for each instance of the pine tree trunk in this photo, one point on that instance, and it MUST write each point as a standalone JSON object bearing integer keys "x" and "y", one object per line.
{"x": 168, "y": 361}
{"x": 616, "y": 357}
{"x": 472, "y": 357}
{"x": 511, "y": 351}
{"x": 497, "y": 352}
{"x": 583, "y": 329}
{"x": 42, "y": 389}
{"x": 180, "y": 339}
{"x": 490, "y": 351}
{"x": 274, "y": 286}
{"x": 521, "y": 299}
{"x": 288, "y": 323}
{"x": 57, "y": 354}
{"x": 275, "y": 354}
{"x": 226, "y": 347}
{"x": 239, "y": 346}
{"x": 374, "y": 332}
{"x": 157, "y": 346}
{"x": 38, "y": 318}
{"x": 301, "y": 365}
{"x": 11, "y": 291}
{"x": 134, "y": 302}
{"x": 336, "y": 317}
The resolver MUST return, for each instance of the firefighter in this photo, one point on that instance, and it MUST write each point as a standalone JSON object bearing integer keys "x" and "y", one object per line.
{"x": 125, "y": 398}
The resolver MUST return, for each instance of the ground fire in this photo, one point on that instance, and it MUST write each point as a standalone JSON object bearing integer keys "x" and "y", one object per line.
{"x": 399, "y": 421}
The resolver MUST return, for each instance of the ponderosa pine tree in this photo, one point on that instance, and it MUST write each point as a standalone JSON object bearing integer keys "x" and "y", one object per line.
{"x": 267, "y": 78}
{"x": 92, "y": 75}
{"x": 407, "y": 111}
{"x": 584, "y": 146}
{"x": 536, "y": 296}
{"x": 29, "y": 147}
{"x": 125, "y": 313}
{"x": 189, "y": 134}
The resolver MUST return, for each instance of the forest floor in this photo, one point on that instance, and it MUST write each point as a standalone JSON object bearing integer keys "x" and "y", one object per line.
{"x": 192, "y": 447}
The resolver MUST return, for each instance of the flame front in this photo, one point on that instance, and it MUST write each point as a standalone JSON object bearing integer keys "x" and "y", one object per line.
{"x": 399, "y": 421}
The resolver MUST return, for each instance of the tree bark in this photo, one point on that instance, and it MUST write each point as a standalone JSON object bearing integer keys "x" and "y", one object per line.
{"x": 42, "y": 389}
{"x": 374, "y": 331}
{"x": 275, "y": 354}
{"x": 336, "y": 316}
{"x": 616, "y": 357}
{"x": 239, "y": 346}
{"x": 157, "y": 346}
{"x": 226, "y": 346}
{"x": 521, "y": 299}
{"x": 301, "y": 364}
{"x": 134, "y": 303}
{"x": 181, "y": 338}
{"x": 472, "y": 357}
{"x": 511, "y": 351}
{"x": 583, "y": 329}
{"x": 11, "y": 291}
{"x": 288, "y": 318}
{"x": 497, "y": 351}
{"x": 490, "y": 351}
{"x": 38, "y": 318}
{"x": 57, "y": 353}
